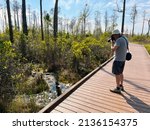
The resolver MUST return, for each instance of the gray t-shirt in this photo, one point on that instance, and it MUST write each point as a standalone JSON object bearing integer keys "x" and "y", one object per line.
{"x": 126, "y": 39}
{"x": 120, "y": 53}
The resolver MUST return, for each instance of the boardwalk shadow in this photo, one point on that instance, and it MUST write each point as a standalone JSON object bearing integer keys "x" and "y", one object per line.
{"x": 129, "y": 82}
{"x": 136, "y": 103}
{"x": 132, "y": 100}
{"x": 137, "y": 86}
{"x": 107, "y": 72}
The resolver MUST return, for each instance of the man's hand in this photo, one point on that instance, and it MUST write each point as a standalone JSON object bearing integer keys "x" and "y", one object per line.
{"x": 114, "y": 47}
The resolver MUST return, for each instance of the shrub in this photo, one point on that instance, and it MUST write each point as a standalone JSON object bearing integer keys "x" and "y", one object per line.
{"x": 147, "y": 46}
{"x": 140, "y": 39}
{"x": 68, "y": 76}
{"x": 9, "y": 68}
{"x": 2, "y": 107}
{"x": 18, "y": 105}
{"x": 32, "y": 86}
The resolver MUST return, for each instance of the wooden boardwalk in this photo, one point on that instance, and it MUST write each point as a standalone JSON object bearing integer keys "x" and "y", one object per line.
{"x": 94, "y": 95}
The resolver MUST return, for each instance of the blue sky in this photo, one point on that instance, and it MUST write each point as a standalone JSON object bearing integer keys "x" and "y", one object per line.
{"x": 72, "y": 8}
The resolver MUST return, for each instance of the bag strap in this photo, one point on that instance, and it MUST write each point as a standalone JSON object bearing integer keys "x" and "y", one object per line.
{"x": 126, "y": 43}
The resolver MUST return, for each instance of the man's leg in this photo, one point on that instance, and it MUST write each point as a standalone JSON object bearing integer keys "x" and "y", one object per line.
{"x": 118, "y": 80}
{"x": 116, "y": 71}
{"x": 121, "y": 79}
{"x": 117, "y": 89}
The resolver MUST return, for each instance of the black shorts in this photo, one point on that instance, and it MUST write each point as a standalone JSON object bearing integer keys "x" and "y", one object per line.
{"x": 118, "y": 67}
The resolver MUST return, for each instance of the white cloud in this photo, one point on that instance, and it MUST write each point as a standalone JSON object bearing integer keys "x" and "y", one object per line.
{"x": 109, "y": 4}
{"x": 148, "y": 2}
{"x": 66, "y": 3}
{"x": 77, "y": 1}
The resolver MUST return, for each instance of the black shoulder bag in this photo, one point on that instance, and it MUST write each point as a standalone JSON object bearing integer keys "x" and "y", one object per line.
{"x": 128, "y": 54}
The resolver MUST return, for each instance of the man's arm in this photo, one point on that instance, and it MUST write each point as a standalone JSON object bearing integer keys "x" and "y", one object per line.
{"x": 114, "y": 47}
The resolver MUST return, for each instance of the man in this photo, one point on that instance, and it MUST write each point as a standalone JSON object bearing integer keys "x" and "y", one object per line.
{"x": 119, "y": 47}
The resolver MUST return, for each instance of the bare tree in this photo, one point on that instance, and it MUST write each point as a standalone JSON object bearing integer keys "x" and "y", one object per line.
{"x": 24, "y": 20}
{"x": 66, "y": 25}
{"x": 106, "y": 21}
{"x": 14, "y": 10}
{"x": 17, "y": 10}
{"x": 9, "y": 21}
{"x": 34, "y": 15}
{"x": 47, "y": 23}
{"x": 29, "y": 11}
{"x": 60, "y": 24}
{"x": 82, "y": 20}
{"x": 2, "y": 20}
{"x": 4, "y": 17}
{"x": 77, "y": 27}
{"x": 98, "y": 29}
{"x": 16, "y": 7}
{"x": 84, "y": 16}
{"x": 55, "y": 26}
{"x": 133, "y": 17}
{"x": 114, "y": 18}
{"x": 144, "y": 13}
{"x": 123, "y": 13}
{"x": 41, "y": 15}
{"x": 72, "y": 24}
{"x": 148, "y": 27}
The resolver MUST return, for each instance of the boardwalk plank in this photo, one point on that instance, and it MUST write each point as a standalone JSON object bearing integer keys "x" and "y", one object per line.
{"x": 89, "y": 104}
{"x": 81, "y": 105}
{"x": 107, "y": 106}
{"x": 140, "y": 94}
{"x": 62, "y": 109}
{"x": 75, "y": 108}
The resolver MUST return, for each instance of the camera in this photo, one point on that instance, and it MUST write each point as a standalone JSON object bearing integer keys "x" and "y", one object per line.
{"x": 111, "y": 39}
